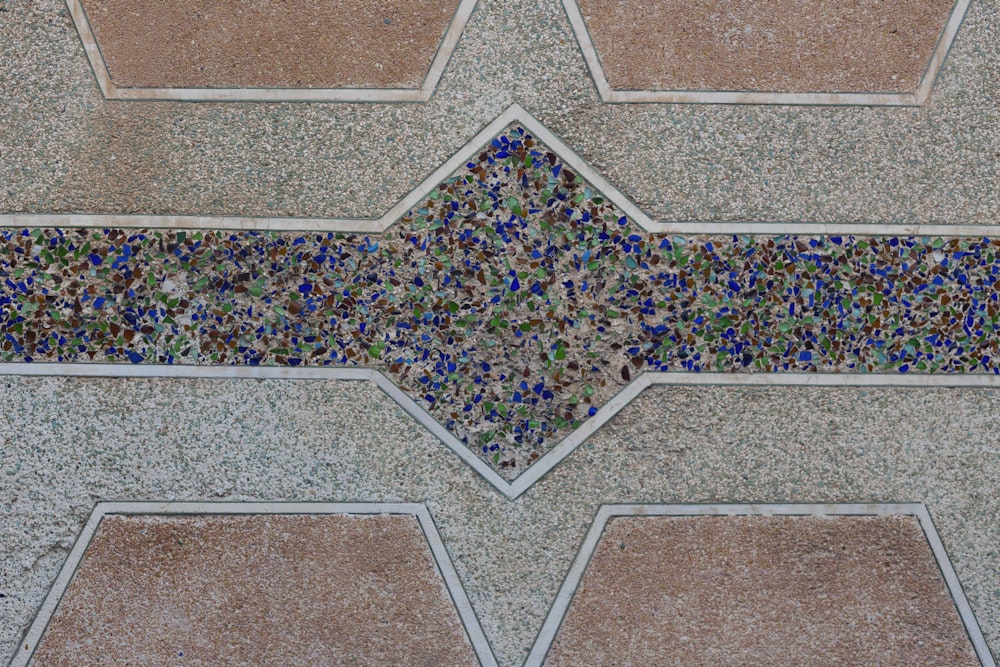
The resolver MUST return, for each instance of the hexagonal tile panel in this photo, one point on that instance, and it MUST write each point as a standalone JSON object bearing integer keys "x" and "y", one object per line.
{"x": 781, "y": 585}
{"x": 772, "y": 51}
{"x": 238, "y": 584}
{"x": 353, "y": 50}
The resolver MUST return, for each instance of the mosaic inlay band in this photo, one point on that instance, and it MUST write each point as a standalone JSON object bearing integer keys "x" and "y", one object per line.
{"x": 512, "y": 303}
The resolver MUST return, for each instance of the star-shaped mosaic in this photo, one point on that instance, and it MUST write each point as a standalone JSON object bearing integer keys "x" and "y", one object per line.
{"x": 511, "y": 303}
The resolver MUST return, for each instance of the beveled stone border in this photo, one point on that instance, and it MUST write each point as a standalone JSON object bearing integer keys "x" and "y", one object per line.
{"x": 513, "y": 114}
{"x": 513, "y": 489}
{"x": 422, "y": 94}
{"x": 557, "y": 613}
{"x": 442, "y": 561}
{"x": 611, "y": 95}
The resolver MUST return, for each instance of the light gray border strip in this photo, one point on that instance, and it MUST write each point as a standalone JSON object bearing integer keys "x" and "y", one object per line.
{"x": 823, "y": 229}
{"x": 740, "y": 97}
{"x": 446, "y": 48}
{"x": 944, "y": 44}
{"x": 587, "y": 48}
{"x": 442, "y": 561}
{"x": 378, "y": 225}
{"x": 90, "y": 47}
{"x": 513, "y": 114}
{"x": 104, "y": 221}
{"x": 611, "y": 95}
{"x": 527, "y": 479}
{"x": 955, "y": 588}
{"x": 557, "y": 613}
{"x": 28, "y": 643}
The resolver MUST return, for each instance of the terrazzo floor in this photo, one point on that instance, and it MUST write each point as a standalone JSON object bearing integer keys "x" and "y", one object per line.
{"x": 411, "y": 328}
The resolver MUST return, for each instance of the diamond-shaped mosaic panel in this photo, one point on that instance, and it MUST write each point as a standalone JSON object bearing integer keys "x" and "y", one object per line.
{"x": 512, "y": 303}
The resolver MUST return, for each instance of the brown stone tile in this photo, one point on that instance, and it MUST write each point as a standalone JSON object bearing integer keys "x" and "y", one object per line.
{"x": 256, "y": 590}
{"x": 264, "y": 44}
{"x": 766, "y": 45}
{"x": 744, "y": 590}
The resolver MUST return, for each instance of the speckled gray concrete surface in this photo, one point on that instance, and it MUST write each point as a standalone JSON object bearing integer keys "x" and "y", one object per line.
{"x": 70, "y": 442}
{"x": 63, "y": 149}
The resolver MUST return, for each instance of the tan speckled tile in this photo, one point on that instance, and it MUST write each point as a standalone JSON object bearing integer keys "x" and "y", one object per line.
{"x": 776, "y": 590}
{"x": 296, "y": 44}
{"x": 771, "y": 45}
{"x": 259, "y": 589}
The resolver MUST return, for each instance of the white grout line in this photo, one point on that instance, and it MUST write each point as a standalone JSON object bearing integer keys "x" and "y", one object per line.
{"x": 185, "y": 371}
{"x": 749, "y": 97}
{"x": 446, "y": 568}
{"x": 460, "y": 449}
{"x": 105, "y": 221}
{"x": 266, "y": 507}
{"x": 608, "y": 94}
{"x": 927, "y": 380}
{"x": 583, "y": 169}
{"x": 270, "y": 94}
{"x": 510, "y": 115}
{"x": 91, "y": 49}
{"x": 26, "y": 647}
{"x": 944, "y": 44}
{"x": 527, "y": 479}
{"x": 553, "y": 457}
{"x": 955, "y": 588}
{"x": 447, "y": 47}
{"x": 442, "y": 561}
{"x": 762, "y": 509}
{"x": 560, "y": 605}
{"x": 586, "y": 45}
{"x": 550, "y": 627}
{"x": 423, "y": 93}
{"x": 513, "y": 114}
{"x": 823, "y": 229}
